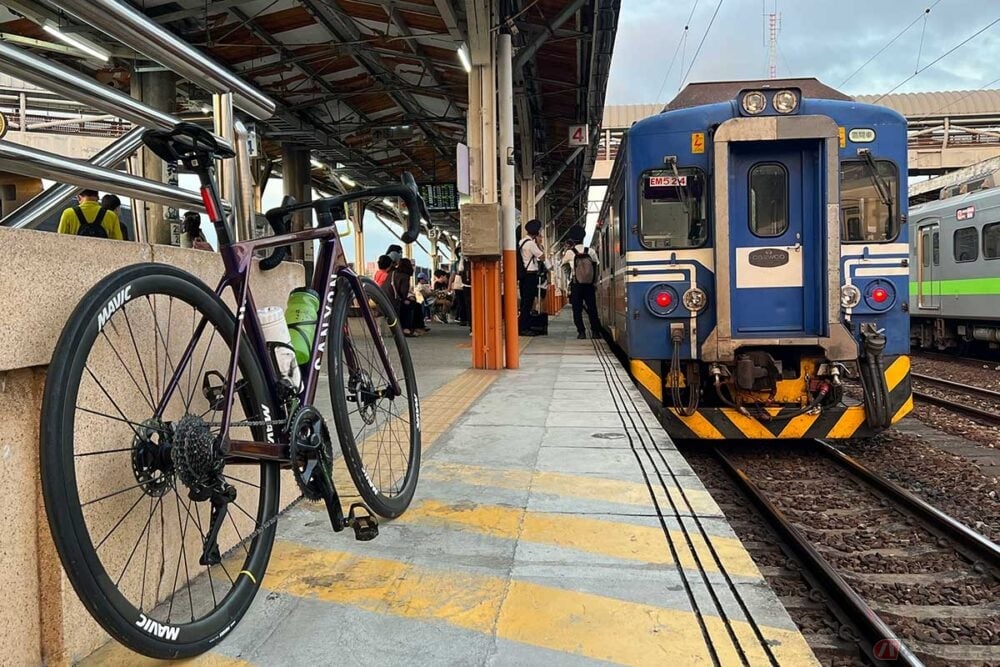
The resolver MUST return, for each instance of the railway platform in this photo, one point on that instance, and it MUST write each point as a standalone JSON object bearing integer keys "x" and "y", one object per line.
{"x": 554, "y": 523}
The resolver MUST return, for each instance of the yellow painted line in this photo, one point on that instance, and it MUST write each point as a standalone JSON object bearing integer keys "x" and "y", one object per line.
{"x": 647, "y": 378}
{"x": 898, "y": 370}
{"x": 614, "y": 539}
{"x": 904, "y": 410}
{"x": 114, "y": 654}
{"x": 584, "y": 624}
{"x": 700, "y": 425}
{"x": 566, "y": 485}
{"x": 749, "y": 426}
{"x": 798, "y": 426}
{"x": 848, "y": 423}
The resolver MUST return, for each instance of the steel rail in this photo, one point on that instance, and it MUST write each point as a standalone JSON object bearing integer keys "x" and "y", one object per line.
{"x": 957, "y": 386}
{"x": 873, "y": 628}
{"x": 962, "y": 408}
{"x": 989, "y": 551}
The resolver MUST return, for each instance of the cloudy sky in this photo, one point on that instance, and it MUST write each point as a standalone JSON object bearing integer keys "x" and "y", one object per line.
{"x": 828, "y": 39}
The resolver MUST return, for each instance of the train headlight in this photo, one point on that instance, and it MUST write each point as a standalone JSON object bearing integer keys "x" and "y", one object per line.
{"x": 850, "y": 296}
{"x": 754, "y": 102}
{"x": 785, "y": 101}
{"x": 695, "y": 299}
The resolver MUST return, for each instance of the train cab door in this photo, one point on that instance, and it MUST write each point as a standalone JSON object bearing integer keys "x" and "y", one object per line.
{"x": 928, "y": 261}
{"x": 777, "y": 234}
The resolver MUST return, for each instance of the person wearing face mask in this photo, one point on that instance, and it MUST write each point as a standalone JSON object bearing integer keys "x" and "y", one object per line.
{"x": 395, "y": 253}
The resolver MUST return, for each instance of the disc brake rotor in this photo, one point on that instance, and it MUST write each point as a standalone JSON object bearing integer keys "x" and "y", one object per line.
{"x": 151, "y": 461}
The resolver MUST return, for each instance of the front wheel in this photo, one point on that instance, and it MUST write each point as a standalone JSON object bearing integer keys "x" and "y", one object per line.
{"x": 379, "y": 433}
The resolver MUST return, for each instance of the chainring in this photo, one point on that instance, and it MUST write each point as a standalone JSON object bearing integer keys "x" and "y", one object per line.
{"x": 309, "y": 448}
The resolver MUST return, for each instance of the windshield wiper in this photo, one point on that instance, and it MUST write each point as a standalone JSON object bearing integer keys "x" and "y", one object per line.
{"x": 878, "y": 180}
{"x": 672, "y": 161}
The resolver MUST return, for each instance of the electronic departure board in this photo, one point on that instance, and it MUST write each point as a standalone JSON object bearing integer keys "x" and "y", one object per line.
{"x": 440, "y": 196}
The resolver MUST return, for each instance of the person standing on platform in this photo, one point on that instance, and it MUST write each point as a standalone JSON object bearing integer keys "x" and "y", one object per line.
{"x": 580, "y": 265}
{"x": 192, "y": 227}
{"x": 532, "y": 259}
{"x": 384, "y": 264}
{"x": 460, "y": 286}
{"x": 89, "y": 218}
{"x": 113, "y": 204}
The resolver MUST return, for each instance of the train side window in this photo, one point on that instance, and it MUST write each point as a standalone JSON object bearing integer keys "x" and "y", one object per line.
{"x": 925, "y": 252}
{"x": 936, "y": 248}
{"x": 768, "y": 199}
{"x": 865, "y": 216}
{"x": 966, "y": 242}
{"x": 991, "y": 241}
{"x": 673, "y": 208}
{"x": 622, "y": 226}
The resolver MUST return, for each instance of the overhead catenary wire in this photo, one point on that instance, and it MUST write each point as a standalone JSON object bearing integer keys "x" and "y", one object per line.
{"x": 680, "y": 41}
{"x": 694, "y": 58}
{"x": 892, "y": 41}
{"x": 940, "y": 58}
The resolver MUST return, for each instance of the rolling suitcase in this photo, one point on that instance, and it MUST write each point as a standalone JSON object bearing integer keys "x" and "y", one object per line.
{"x": 537, "y": 323}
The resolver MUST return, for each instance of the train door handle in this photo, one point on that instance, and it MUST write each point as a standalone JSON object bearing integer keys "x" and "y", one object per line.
{"x": 794, "y": 248}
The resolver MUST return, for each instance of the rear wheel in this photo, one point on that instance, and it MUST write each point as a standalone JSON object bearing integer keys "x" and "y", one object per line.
{"x": 379, "y": 433}
{"x": 116, "y": 472}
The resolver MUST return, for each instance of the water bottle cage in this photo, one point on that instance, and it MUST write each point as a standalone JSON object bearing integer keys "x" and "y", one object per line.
{"x": 286, "y": 389}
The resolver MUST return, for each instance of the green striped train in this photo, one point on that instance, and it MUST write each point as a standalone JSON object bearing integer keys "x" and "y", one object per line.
{"x": 955, "y": 271}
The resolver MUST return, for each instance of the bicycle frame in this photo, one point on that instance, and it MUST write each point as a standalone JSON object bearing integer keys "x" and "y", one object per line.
{"x": 238, "y": 260}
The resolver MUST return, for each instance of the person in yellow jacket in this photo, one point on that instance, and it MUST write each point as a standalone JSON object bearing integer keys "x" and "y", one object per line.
{"x": 89, "y": 218}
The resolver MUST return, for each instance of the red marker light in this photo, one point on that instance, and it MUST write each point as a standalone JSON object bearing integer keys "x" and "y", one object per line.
{"x": 879, "y": 295}
{"x": 663, "y": 299}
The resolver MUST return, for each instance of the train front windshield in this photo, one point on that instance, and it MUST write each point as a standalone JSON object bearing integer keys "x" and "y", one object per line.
{"x": 864, "y": 214}
{"x": 672, "y": 209}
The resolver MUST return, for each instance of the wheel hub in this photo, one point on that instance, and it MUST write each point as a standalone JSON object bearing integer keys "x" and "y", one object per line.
{"x": 361, "y": 390}
{"x": 151, "y": 460}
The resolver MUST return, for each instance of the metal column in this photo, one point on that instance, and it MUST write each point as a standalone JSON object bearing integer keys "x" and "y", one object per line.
{"x": 295, "y": 176}
{"x": 358, "y": 215}
{"x": 505, "y": 85}
{"x": 157, "y": 90}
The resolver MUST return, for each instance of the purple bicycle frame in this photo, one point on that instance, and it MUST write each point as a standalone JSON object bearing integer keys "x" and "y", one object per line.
{"x": 331, "y": 265}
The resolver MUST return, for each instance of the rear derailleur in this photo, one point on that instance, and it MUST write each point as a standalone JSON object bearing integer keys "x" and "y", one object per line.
{"x": 311, "y": 454}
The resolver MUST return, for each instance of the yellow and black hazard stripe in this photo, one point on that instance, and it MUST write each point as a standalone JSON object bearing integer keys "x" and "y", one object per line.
{"x": 729, "y": 424}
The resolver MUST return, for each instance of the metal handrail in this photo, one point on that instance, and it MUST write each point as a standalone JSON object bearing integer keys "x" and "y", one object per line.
{"x": 41, "y": 164}
{"x": 132, "y": 28}
{"x": 38, "y": 209}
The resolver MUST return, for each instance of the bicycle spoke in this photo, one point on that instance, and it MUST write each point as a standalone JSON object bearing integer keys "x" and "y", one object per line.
{"x": 111, "y": 495}
{"x": 145, "y": 567}
{"x": 118, "y": 419}
{"x": 105, "y": 392}
{"x": 120, "y": 521}
{"x": 135, "y": 346}
{"x": 134, "y": 548}
{"x": 127, "y": 371}
{"x": 238, "y": 479}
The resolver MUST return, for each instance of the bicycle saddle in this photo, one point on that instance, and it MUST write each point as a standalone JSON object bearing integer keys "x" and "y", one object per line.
{"x": 185, "y": 141}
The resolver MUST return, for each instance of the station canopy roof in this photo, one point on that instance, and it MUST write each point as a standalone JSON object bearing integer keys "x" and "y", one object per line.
{"x": 373, "y": 87}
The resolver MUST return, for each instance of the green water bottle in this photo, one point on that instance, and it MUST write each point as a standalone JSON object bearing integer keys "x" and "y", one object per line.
{"x": 301, "y": 315}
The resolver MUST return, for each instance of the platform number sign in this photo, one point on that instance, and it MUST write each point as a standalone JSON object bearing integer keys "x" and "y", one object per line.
{"x": 579, "y": 135}
{"x": 697, "y": 142}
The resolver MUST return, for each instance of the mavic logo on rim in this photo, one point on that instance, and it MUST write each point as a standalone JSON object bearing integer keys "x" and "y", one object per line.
{"x": 155, "y": 629}
{"x": 112, "y": 306}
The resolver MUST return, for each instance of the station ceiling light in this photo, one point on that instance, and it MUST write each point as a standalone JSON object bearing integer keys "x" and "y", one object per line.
{"x": 316, "y": 163}
{"x": 78, "y": 43}
{"x": 348, "y": 181}
{"x": 463, "y": 55}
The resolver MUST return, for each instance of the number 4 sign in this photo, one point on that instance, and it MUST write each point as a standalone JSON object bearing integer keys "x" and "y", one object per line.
{"x": 579, "y": 135}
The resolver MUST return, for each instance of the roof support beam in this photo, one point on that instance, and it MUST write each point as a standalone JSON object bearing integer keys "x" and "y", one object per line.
{"x": 529, "y": 51}
{"x": 450, "y": 20}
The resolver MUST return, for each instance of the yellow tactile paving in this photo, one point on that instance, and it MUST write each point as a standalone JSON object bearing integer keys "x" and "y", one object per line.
{"x": 615, "y": 539}
{"x": 584, "y": 624}
{"x": 566, "y": 485}
{"x": 114, "y": 654}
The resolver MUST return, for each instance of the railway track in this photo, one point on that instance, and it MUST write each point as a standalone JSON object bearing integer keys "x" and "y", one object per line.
{"x": 988, "y": 416}
{"x": 908, "y": 584}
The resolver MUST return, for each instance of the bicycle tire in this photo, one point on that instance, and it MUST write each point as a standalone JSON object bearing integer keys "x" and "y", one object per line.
{"x": 387, "y": 500}
{"x": 139, "y": 628}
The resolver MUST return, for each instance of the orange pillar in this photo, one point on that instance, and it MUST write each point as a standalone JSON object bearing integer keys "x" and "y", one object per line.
{"x": 487, "y": 341}
{"x": 512, "y": 353}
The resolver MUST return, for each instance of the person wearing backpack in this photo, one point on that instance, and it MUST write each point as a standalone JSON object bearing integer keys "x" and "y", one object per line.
{"x": 580, "y": 265}
{"x": 89, "y": 218}
{"x": 531, "y": 261}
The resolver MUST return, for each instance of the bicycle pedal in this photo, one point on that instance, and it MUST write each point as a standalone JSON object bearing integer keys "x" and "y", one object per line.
{"x": 365, "y": 525}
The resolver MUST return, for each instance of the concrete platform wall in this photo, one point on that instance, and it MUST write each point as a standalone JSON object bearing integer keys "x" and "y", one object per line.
{"x": 42, "y": 278}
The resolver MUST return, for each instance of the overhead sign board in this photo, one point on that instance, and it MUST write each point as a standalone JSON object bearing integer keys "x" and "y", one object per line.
{"x": 3, "y": 125}
{"x": 579, "y": 135}
{"x": 441, "y": 197}
{"x": 462, "y": 166}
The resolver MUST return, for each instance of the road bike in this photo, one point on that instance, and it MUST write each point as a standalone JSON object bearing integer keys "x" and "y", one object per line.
{"x": 166, "y": 421}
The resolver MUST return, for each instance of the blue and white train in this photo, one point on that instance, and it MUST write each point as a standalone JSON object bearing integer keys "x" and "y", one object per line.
{"x": 754, "y": 241}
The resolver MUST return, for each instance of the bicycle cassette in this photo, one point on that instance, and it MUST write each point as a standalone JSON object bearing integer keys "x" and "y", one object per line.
{"x": 311, "y": 452}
